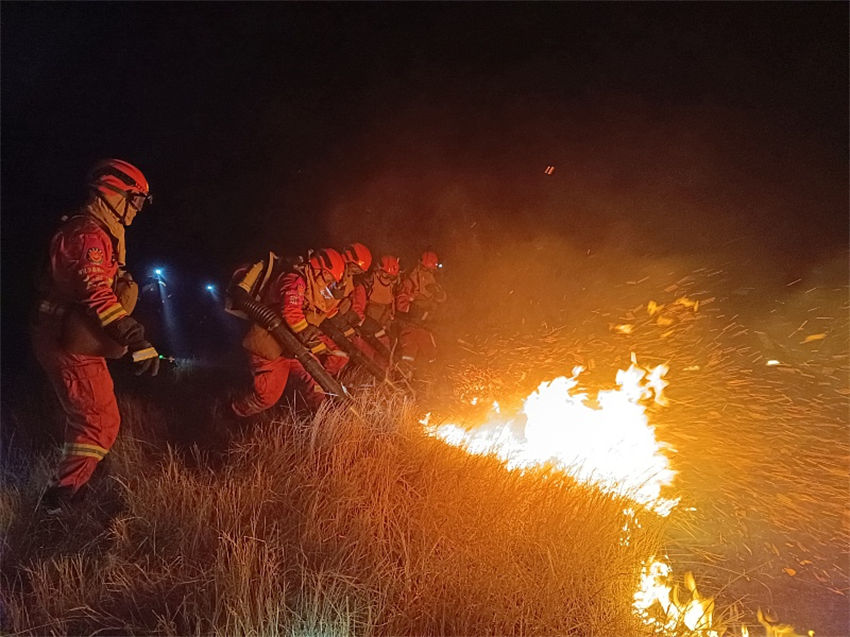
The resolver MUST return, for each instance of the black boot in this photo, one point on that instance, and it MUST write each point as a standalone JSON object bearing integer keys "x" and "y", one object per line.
{"x": 57, "y": 499}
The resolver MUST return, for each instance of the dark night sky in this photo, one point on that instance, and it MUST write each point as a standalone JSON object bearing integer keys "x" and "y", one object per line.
{"x": 676, "y": 126}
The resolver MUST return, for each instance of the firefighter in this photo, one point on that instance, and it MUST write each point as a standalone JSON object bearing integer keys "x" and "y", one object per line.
{"x": 358, "y": 260}
{"x": 299, "y": 294}
{"x": 83, "y": 317}
{"x": 311, "y": 293}
{"x": 378, "y": 293}
{"x": 369, "y": 333}
{"x": 352, "y": 308}
{"x": 418, "y": 298}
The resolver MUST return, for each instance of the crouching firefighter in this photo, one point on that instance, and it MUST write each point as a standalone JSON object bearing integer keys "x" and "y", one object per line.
{"x": 377, "y": 292}
{"x": 417, "y": 301}
{"x": 280, "y": 341}
{"x": 352, "y": 309}
{"x": 343, "y": 324}
{"x": 83, "y": 318}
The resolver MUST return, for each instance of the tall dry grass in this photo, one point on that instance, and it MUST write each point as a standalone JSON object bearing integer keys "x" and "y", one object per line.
{"x": 330, "y": 525}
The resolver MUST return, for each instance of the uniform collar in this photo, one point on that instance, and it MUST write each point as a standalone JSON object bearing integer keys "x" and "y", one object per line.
{"x": 98, "y": 209}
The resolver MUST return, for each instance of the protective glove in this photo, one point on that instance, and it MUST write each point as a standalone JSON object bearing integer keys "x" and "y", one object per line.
{"x": 146, "y": 360}
{"x": 340, "y": 322}
{"x": 129, "y": 332}
{"x": 352, "y": 318}
{"x": 371, "y": 326}
{"x": 419, "y": 312}
{"x": 311, "y": 337}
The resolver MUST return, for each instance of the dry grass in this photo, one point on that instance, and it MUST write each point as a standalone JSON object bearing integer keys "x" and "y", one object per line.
{"x": 338, "y": 526}
{"x": 330, "y": 526}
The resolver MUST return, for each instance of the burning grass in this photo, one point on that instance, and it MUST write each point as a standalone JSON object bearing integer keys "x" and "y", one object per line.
{"x": 759, "y": 396}
{"x": 339, "y": 526}
{"x": 329, "y": 526}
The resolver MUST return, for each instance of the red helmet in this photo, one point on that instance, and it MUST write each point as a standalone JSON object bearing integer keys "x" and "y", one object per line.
{"x": 430, "y": 260}
{"x": 328, "y": 260}
{"x": 389, "y": 264}
{"x": 359, "y": 254}
{"x": 109, "y": 176}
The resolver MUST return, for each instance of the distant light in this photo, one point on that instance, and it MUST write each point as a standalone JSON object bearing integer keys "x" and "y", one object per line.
{"x": 158, "y": 271}
{"x": 210, "y": 287}
{"x": 439, "y": 265}
{"x": 773, "y": 362}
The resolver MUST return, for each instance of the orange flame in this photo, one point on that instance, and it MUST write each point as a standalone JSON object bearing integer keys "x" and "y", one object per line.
{"x": 610, "y": 445}
{"x": 694, "y": 615}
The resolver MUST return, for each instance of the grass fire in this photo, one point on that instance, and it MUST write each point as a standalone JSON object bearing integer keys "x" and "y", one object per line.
{"x": 382, "y": 319}
{"x": 526, "y": 502}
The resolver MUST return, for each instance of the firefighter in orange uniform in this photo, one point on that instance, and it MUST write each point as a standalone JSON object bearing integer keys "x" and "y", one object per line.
{"x": 358, "y": 260}
{"x": 301, "y": 295}
{"x": 312, "y": 293}
{"x": 352, "y": 308}
{"x": 418, "y": 299}
{"x": 83, "y": 317}
{"x": 378, "y": 293}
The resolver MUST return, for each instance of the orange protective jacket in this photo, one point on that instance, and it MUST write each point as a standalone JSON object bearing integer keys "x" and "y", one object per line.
{"x": 354, "y": 296}
{"x": 420, "y": 287}
{"x": 359, "y": 298}
{"x": 303, "y": 302}
{"x": 290, "y": 292}
{"x": 380, "y": 299}
{"x": 82, "y": 270}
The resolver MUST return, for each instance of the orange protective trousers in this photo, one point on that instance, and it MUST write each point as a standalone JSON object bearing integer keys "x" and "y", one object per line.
{"x": 416, "y": 345}
{"x": 84, "y": 388}
{"x": 269, "y": 381}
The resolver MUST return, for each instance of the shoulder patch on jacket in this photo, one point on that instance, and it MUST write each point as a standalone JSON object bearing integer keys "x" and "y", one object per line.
{"x": 94, "y": 255}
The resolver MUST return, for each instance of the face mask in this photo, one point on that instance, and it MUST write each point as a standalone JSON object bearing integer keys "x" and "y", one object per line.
{"x": 337, "y": 291}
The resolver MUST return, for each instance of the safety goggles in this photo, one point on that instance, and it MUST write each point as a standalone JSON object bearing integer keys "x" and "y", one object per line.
{"x": 139, "y": 199}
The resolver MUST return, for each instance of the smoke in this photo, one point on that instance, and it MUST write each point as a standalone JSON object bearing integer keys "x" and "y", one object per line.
{"x": 637, "y": 190}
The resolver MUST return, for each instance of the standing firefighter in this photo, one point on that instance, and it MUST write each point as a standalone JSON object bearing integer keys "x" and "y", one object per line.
{"x": 293, "y": 295}
{"x": 418, "y": 299}
{"x": 83, "y": 318}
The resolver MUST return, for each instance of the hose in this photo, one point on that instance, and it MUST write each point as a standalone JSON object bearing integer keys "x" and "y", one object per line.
{"x": 268, "y": 318}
